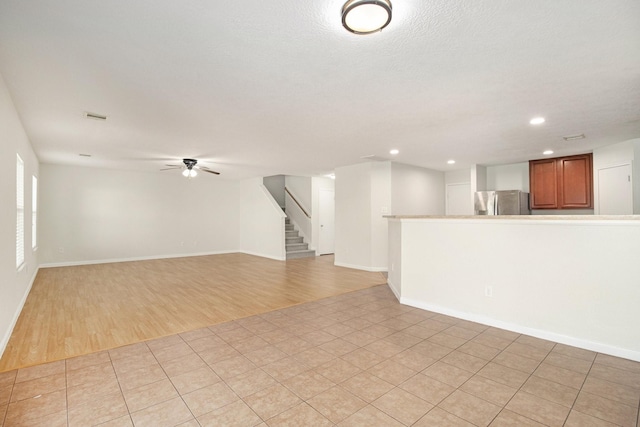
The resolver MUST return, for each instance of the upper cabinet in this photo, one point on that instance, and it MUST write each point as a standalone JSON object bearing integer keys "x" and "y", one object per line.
{"x": 562, "y": 182}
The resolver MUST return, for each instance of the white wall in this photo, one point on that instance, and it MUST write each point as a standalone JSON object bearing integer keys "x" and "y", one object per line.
{"x": 381, "y": 204}
{"x": 363, "y": 196}
{"x": 457, "y": 177}
{"x": 417, "y": 191}
{"x": 513, "y": 176}
{"x": 96, "y": 215}
{"x": 353, "y": 216}
{"x": 571, "y": 281}
{"x": 261, "y": 221}
{"x": 14, "y": 285}
{"x": 275, "y": 185}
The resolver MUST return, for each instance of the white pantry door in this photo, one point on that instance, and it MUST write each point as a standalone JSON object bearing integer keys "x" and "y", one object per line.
{"x": 615, "y": 191}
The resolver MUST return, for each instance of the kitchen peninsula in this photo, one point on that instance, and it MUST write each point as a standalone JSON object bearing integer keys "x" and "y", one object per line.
{"x": 573, "y": 279}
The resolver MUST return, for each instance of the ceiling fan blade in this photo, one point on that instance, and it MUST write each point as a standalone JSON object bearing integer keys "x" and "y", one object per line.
{"x": 210, "y": 171}
{"x": 171, "y": 168}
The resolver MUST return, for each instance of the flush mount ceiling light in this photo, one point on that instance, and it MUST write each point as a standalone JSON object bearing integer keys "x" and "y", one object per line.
{"x": 366, "y": 16}
{"x": 394, "y": 152}
{"x": 537, "y": 121}
{"x": 547, "y": 152}
{"x": 451, "y": 162}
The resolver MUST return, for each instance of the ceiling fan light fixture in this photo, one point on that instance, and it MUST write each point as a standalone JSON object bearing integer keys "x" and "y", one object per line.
{"x": 366, "y": 16}
{"x": 189, "y": 173}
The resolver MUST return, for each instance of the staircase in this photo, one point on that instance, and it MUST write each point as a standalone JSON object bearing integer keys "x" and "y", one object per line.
{"x": 295, "y": 246}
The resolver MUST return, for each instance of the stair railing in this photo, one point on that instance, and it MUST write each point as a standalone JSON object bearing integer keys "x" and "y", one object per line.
{"x": 297, "y": 203}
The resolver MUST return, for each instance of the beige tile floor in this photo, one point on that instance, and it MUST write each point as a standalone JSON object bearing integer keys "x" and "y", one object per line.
{"x": 359, "y": 359}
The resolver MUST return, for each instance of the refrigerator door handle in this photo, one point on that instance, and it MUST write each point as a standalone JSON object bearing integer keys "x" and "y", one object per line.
{"x": 495, "y": 204}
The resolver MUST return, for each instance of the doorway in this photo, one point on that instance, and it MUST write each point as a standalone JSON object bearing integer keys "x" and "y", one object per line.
{"x": 326, "y": 219}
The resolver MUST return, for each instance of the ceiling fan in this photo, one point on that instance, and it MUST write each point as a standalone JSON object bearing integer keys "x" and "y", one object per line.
{"x": 190, "y": 168}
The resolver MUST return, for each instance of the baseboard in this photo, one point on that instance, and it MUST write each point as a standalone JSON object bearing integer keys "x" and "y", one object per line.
{"x": 361, "y": 267}
{"x": 143, "y": 258}
{"x": 393, "y": 288}
{"x": 16, "y": 315}
{"x": 538, "y": 333}
{"x": 263, "y": 255}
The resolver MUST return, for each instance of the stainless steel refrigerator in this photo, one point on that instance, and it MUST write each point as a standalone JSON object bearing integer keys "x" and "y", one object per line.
{"x": 509, "y": 202}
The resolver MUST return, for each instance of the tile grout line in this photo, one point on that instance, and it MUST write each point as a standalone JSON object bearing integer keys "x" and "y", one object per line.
{"x": 13, "y": 385}
{"x": 522, "y": 385}
{"x": 115, "y": 373}
{"x": 66, "y": 388}
{"x": 595, "y": 357}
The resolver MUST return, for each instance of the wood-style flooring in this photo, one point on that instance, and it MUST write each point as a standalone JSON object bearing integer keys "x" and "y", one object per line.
{"x": 73, "y": 311}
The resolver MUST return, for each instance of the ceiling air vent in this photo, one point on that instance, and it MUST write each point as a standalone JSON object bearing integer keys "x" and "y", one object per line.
{"x": 95, "y": 116}
{"x": 574, "y": 137}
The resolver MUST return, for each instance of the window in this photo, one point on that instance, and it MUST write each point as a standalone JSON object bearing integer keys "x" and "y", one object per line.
{"x": 34, "y": 213}
{"x": 19, "y": 212}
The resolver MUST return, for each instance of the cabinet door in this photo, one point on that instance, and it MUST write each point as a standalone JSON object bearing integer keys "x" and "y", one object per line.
{"x": 543, "y": 180}
{"x": 575, "y": 189}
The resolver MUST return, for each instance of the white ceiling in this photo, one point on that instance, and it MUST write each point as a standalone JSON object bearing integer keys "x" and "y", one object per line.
{"x": 279, "y": 87}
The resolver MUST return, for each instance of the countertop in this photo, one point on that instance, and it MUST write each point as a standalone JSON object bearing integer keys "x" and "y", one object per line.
{"x": 523, "y": 217}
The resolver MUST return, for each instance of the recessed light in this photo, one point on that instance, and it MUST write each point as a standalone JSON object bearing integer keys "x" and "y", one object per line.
{"x": 547, "y": 152}
{"x": 451, "y": 162}
{"x": 394, "y": 151}
{"x": 537, "y": 121}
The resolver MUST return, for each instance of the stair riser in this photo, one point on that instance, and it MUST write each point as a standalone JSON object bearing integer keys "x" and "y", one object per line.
{"x": 301, "y": 254}
{"x": 291, "y": 233}
{"x": 297, "y": 247}
{"x": 290, "y": 240}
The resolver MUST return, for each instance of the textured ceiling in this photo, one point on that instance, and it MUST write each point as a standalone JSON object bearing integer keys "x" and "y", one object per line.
{"x": 279, "y": 87}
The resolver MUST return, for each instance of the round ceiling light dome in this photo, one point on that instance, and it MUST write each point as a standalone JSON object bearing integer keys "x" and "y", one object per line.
{"x": 366, "y": 16}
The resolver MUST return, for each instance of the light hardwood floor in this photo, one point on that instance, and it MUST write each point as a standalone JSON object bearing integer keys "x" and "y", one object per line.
{"x": 73, "y": 311}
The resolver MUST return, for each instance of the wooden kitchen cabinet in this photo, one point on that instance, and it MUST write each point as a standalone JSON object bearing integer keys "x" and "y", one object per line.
{"x": 562, "y": 182}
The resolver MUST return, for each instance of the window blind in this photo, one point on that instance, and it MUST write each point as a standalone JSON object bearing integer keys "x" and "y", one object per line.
{"x": 19, "y": 212}
{"x": 34, "y": 213}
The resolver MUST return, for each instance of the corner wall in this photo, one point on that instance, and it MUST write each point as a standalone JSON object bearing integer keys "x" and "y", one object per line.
{"x": 417, "y": 191}
{"x": 353, "y": 216}
{"x": 261, "y": 225}
{"x": 365, "y": 193}
{"x": 14, "y": 284}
